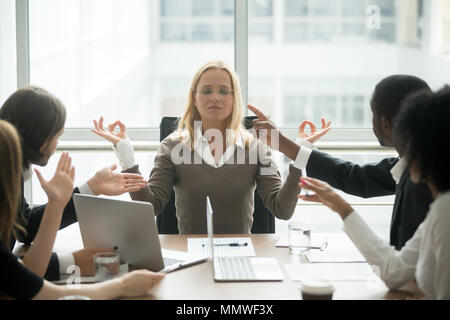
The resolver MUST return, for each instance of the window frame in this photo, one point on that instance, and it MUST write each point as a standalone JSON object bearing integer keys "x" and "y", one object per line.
{"x": 148, "y": 138}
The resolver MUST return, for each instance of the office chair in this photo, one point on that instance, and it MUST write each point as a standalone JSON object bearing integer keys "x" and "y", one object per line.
{"x": 263, "y": 219}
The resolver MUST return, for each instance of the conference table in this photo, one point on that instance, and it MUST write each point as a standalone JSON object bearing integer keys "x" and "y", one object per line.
{"x": 196, "y": 282}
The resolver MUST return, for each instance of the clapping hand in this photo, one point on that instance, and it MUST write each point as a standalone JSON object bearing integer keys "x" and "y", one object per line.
{"x": 59, "y": 189}
{"x": 313, "y": 136}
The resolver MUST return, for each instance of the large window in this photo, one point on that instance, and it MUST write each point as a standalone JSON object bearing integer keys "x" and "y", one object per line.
{"x": 8, "y": 70}
{"x": 125, "y": 58}
{"x": 301, "y": 59}
{"x": 323, "y": 58}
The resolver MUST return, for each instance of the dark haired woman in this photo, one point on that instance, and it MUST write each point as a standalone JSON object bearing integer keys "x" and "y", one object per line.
{"x": 16, "y": 280}
{"x": 422, "y": 128}
{"x": 39, "y": 118}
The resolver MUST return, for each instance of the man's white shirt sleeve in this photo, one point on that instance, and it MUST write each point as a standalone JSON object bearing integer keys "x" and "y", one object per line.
{"x": 303, "y": 155}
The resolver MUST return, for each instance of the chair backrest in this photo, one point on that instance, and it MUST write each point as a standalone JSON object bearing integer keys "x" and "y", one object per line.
{"x": 263, "y": 219}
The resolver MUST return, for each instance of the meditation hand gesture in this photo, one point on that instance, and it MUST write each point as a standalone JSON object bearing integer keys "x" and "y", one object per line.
{"x": 59, "y": 188}
{"x": 313, "y": 136}
{"x": 110, "y": 135}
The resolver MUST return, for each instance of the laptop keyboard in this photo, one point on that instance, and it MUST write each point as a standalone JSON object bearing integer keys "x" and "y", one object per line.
{"x": 235, "y": 268}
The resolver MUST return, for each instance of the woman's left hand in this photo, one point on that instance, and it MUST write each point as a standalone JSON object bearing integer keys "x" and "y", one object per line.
{"x": 325, "y": 194}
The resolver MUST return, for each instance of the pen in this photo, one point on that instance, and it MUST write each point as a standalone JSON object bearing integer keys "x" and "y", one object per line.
{"x": 323, "y": 246}
{"x": 233, "y": 244}
{"x": 171, "y": 268}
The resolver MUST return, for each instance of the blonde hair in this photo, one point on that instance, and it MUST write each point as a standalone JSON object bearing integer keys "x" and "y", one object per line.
{"x": 10, "y": 183}
{"x": 234, "y": 121}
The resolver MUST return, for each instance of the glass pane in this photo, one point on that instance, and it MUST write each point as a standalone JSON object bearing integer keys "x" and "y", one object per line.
{"x": 351, "y": 8}
{"x": 334, "y": 48}
{"x": 294, "y": 8}
{"x": 174, "y": 8}
{"x": 201, "y": 7}
{"x": 8, "y": 74}
{"x": 120, "y": 58}
{"x": 260, "y": 32}
{"x": 260, "y": 8}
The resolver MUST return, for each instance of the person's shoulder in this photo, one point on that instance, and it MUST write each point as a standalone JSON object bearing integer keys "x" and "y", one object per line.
{"x": 173, "y": 139}
{"x": 439, "y": 213}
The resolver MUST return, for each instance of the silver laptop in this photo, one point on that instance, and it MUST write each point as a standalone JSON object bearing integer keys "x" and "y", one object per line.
{"x": 240, "y": 268}
{"x": 130, "y": 227}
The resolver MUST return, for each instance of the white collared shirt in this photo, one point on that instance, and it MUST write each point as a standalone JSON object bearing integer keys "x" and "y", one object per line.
{"x": 398, "y": 170}
{"x": 125, "y": 153}
{"x": 425, "y": 257}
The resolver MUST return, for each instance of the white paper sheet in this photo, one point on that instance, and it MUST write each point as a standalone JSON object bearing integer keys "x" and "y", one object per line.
{"x": 123, "y": 270}
{"x": 328, "y": 256}
{"x": 331, "y": 271}
{"x": 200, "y": 246}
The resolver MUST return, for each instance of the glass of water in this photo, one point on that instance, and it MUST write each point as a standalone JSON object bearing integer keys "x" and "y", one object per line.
{"x": 107, "y": 265}
{"x": 299, "y": 237}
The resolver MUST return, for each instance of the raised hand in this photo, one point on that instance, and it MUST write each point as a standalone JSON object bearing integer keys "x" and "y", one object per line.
{"x": 59, "y": 189}
{"x": 110, "y": 183}
{"x": 264, "y": 127}
{"x": 325, "y": 195}
{"x": 313, "y": 136}
{"x": 110, "y": 135}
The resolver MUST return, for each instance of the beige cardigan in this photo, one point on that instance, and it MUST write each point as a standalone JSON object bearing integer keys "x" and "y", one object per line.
{"x": 230, "y": 188}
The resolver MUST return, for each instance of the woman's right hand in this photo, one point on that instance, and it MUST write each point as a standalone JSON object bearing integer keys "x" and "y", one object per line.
{"x": 59, "y": 189}
{"x": 139, "y": 282}
{"x": 110, "y": 135}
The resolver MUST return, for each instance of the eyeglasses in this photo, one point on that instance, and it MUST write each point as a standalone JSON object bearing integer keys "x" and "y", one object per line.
{"x": 224, "y": 92}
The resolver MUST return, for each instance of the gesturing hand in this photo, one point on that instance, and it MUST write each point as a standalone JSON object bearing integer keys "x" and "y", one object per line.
{"x": 324, "y": 194}
{"x": 110, "y": 183}
{"x": 110, "y": 135}
{"x": 313, "y": 136}
{"x": 139, "y": 282}
{"x": 59, "y": 188}
{"x": 264, "y": 127}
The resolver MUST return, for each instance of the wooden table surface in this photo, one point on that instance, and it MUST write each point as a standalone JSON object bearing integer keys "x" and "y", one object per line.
{"x": 196, "y": 282}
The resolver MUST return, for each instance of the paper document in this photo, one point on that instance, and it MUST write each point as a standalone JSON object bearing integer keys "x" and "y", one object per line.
{"x": 71, "y": 279}
{"x": 331, "y": 271}
{"x": 328, "y": 256}
{"x": 223, "y": 247}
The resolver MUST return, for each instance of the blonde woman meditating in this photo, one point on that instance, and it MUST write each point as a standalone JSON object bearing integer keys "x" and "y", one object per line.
{"x": 211, "y": 154}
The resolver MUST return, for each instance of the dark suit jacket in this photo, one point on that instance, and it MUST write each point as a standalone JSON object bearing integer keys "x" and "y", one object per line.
{"x": 33, "y": 217}
{"x": 373, "y": 180}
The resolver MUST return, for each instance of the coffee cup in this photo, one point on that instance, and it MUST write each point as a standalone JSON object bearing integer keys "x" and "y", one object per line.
{"x": 317, "y": 290}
